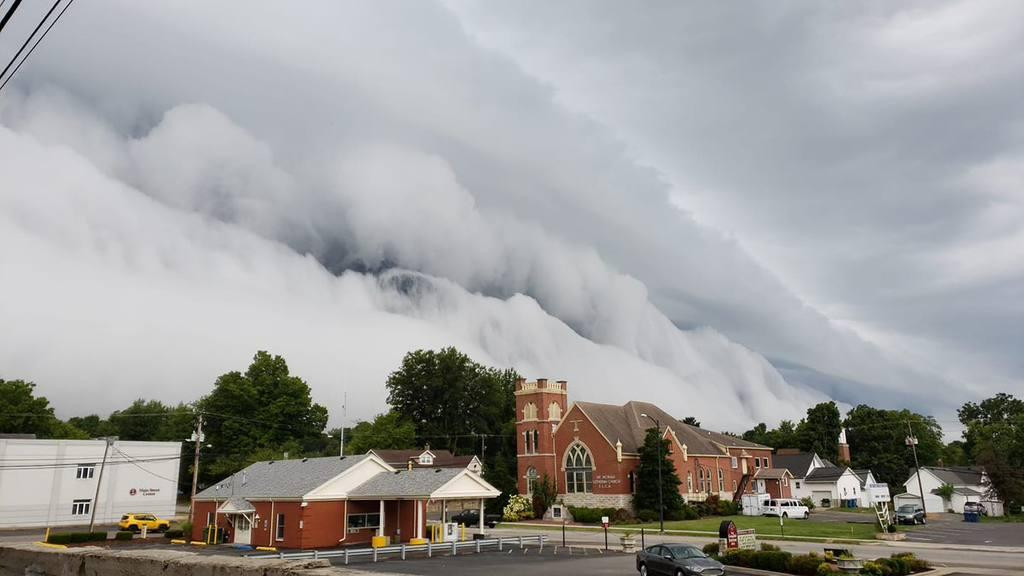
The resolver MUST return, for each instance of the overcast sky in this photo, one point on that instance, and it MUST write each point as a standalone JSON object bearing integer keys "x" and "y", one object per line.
{"x": 734, "y": 210}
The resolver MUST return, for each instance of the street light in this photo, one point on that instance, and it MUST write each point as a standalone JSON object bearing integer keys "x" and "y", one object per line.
{"x": 661, "y": 505}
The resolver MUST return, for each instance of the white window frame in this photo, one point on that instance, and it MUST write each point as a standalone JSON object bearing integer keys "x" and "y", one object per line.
{"x": 366, "y": 525}
{"x": 279, "y": 527}
{"x": 85, "y": 471}
{"x": 80, "y": 507}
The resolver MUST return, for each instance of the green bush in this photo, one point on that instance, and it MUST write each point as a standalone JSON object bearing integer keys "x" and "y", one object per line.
{"x": 825, "y": 569}
{"x": 767, "y": 547}
{"x": 173, "y": 534}
{"x": 910, "y": 563}
{"x": 622, "y": 516}
{"x": 805, "y": 564}
{"x": 875, "y": 569}
{"x": 806, "y": 501}
{"x": 647, "y": 515}
{"x": 122, "y": 535}
{"x": 591, "y": 515}
{"x": 727, "y": 508}
{"x": 711, "y": 549}
{"x": 519, "y": 507}
{"x": 186, "y": 528}
{"x": 762, "y": 560}
{"x": 743, "y": 558}
{"x": 76, "y": 537}
{"x": 690, "y": 513}
{"x": 59, "y": 538}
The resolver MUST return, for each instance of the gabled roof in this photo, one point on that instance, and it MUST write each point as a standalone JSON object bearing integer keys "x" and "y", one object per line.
{"x": 280, "y": 478}
{"x": 770, "y": 473}
{"x": 957, "y": 476}
{"x": 798, "y": 464}
{"x": 236, "y": 504}
{"x": 863, "y": 475}
{"x": 826, "y": 474}
{"x": 442, "y": 458}
{"x": 625, "y": 424}
{"x": 424, "y": 483}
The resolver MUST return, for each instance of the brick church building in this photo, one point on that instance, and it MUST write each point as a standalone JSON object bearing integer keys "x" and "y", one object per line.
{"x": 592, "y": 451}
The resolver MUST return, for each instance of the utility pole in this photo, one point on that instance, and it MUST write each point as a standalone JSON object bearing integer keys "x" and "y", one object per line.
{"x": 96, "y": 499}
{"x": 661, "y": 504}
{"x": 344, "y": 416}
{"x": 912, "y": 442}
{"x": 198, "y": 437}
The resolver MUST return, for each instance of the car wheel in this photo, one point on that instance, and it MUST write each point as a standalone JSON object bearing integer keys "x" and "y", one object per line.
{"x": 785, "y": 514}
{"x": 162, "y": 528}
{"x": 643, "y": 570}
{"x": 133, "y": 528}
{"x": 679, "y": 573}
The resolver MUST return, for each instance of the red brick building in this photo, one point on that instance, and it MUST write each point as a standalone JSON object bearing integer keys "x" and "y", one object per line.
{"x": 329, "y": 502}
{"x": 592, "y": 450}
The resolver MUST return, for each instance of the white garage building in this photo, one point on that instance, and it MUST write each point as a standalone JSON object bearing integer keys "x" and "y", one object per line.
{"x": 53, "y": 482}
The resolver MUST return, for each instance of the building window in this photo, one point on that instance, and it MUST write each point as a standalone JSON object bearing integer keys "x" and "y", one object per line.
{"x": 554, "y": 411}
{"x": 785, "y": 481}
{"x": 80, "y": 507}
{"x": 531, "y": 480}
{"x": 797, "y": 484}
{"x": 279, "y": 529}
{"x": 757, "y": 462}
{"x": 536, "y": 440}
{"x": 632, "y": 483}
{"x": 700, "y": 479}
{"x": 530, "y": 411}
{"x": 526, "y": 442}
{"x": 689, "y": 481}
{"x": 426, "y": 459}
{"x": 765, "y": 462}
{"x": 357, "y": 521}
{"x": 721, "y": 480}
{"x": 735, "y": 463}
{"x": 85, "y": 471}
{"x": 579, "y": 470}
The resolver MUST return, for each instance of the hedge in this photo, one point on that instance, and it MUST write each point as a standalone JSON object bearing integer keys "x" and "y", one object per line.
{"x": 123, "y": 535}
{"x": 762, "y": 560}
{"x": 593, "y": 515}
{"x": 174, "y": 533}
{"x": 76, "y": 537}
{"x": 901, "y": 564}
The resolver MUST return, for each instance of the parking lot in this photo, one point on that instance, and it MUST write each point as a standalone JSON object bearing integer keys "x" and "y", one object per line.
{"x": 951, "y": 529}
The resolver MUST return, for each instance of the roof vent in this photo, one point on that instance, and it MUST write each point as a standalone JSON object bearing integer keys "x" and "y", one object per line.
{"x": 437, "y": 470}
{"x": 269, "y": 463}
{"x": 304, "y": 459}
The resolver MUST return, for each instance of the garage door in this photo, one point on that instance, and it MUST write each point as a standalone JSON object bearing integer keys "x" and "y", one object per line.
{"x": 819, "y": 495}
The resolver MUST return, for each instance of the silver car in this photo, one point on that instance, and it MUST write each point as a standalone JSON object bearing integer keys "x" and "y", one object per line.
{"x": 676, "y": 560}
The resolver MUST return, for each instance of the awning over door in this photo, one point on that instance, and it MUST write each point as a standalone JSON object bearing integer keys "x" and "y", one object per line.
{"x": 236, "y": 506}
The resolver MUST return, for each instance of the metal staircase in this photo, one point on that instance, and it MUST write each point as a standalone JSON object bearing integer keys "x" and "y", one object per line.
{"x": 741, "y": 488}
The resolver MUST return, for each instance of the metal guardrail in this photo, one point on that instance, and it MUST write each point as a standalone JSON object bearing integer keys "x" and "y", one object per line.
{"x": 402, "y": 549}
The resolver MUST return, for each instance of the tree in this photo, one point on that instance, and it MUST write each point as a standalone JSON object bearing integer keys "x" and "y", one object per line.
{"x": 646, "y": 495}
{"x": 782, "y": 437}
{"x": 994, "y": 438}
{"x": 877, "y": 441}
{"x": 22, "y": 412}
{"x": 92, "y": 425}
{"x": 692, "y": 421}
{"x": 955, "y": 454}
{"x": 264, "y": 412}
{"x": 819, "y": 431}
{"x": 450, "y": 398}
{"x": 388, "y": 431}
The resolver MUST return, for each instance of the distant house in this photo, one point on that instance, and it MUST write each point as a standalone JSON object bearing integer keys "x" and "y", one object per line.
{"x": 820, "y": 480}
{"x": 866, "y": 479}
{"x": 970, "y": 484}
{"x": 428, "y": 458}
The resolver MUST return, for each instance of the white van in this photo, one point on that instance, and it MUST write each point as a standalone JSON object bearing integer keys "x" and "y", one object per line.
{"x": 787, "y": 508}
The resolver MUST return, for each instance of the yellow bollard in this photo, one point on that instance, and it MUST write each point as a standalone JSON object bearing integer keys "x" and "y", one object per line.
{"x": 46, "y": 537}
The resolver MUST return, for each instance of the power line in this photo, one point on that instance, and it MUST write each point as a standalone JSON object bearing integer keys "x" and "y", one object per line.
{"x": 150, "y": 472}
{"x": 31, "y": 50}
{"x": 3, "y": 22}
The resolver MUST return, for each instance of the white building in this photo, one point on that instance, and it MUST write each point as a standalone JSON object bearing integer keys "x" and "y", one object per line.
{"x": 969, "y": 485}
{"x": 821, "y": 480}
{"x": 866, "y": 479}
{"x": 53, "y": 482}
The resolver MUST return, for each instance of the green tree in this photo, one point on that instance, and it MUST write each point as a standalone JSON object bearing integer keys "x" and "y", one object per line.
{"x": 646, "y": 495}
{"x": 692, "y": 421}
{"x": 782, "y": 437}
{"x": 264, "y": 412}
{"x": 819, "y": 431}
{"x": 92, "y": 426}
{"x": 877, "y": 440}
{"x": 22, "y": 412}
{"x": 994, "y": 438}
{"x": 955, "y": 454}
{"x": 388, "y": 431}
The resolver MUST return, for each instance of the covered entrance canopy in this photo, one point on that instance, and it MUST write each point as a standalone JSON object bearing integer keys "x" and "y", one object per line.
{"x": 421, "y": 485}
{"x": 240, "y": 513}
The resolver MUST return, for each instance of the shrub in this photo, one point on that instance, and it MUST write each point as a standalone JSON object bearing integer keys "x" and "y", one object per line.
{"x": 711, "y": 549}
{"x": 186, "y": 528}
{"x": 825, "y": 569}
{"x": 690, "y": 513}
{"x": 122, "y": 535}
{"x": 776, "y": 561}
{"x": 647, "y": 515}
{"x": 743, "y": 558}
{"x": 59, "y": 538}
{"x": 805, "y": 564}
{"x": 767, "y": 547}
{"x": 726, "y": 508}
{"x": 519, "y": 507}
{"x": 591, "y": 515}
{"x": 910, "y": 563}
{"x": 875, "y": 569}
{"x": 806, "y": 501}
{"x": 173, "y": 534}
{"x": 622, "y": 516}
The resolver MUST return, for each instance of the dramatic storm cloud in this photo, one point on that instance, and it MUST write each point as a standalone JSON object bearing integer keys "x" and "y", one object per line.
{"x": 751, "y": 210}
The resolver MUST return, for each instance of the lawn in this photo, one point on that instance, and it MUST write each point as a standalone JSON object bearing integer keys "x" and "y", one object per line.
{"x": 767, "y": 526}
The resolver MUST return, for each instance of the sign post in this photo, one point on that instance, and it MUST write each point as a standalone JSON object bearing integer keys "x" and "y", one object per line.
{"x": 604, "y": 524}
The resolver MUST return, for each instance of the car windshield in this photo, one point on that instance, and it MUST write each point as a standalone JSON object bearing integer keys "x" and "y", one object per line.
{"x": 686, "y": 552}
{"x": 906, "y": 508}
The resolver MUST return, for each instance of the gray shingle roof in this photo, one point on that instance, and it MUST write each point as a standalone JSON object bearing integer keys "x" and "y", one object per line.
{"x": 279, "y": 478}
{"x": 826, "y": 474}
{"x": 406, "y": 483}
{"x": 797, "y": 464}
{"x": 959, "y": 476}
{"x": 625, "y": 424}
{"x": 776, "y": 473}
{"x": 442, "y": 458}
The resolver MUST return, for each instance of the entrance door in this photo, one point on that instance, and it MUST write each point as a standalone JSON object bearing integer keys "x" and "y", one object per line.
{"x": 243, "y": 530}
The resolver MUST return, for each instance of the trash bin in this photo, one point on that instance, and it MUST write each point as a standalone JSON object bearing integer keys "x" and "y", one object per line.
{"x": 970, "y": 516}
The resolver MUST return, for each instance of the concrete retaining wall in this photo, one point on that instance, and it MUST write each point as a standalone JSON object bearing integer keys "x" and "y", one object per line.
{"x": 36, "y": 560}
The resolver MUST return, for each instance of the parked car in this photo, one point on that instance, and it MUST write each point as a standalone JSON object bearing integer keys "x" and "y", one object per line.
{"x": 676, "y": 560}
{"x": 135, "y": 522}
{"x": 975, "y": 508}
{"x": 472, "y": 518}
{"x": 787, "y": 508}
{"x": 910, "y": 514}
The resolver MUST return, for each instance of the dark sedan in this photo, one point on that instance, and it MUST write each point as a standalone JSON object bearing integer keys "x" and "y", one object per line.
{"x": 677, "y": 560}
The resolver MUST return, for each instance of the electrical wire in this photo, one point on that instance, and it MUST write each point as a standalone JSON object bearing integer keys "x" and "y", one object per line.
{"x": 150, "y": 472}
{"x": 31, "y": 50}
{"x": 7, "y": 17}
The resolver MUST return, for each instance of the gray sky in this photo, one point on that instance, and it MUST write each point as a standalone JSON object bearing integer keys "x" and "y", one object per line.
{"x": 756, "y": 206}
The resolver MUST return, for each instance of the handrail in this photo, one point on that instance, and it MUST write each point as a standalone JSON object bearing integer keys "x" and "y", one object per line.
{"x": 429, "y": 548}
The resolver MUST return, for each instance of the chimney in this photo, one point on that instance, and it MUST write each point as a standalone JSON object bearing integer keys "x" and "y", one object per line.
{"x": 844, "y": 449}
{"x": 519, "y": 383}
{"x": 542, "y": 382}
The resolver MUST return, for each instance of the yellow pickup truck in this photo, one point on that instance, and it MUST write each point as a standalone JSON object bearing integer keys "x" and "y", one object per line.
{"x": 135, "y": 522}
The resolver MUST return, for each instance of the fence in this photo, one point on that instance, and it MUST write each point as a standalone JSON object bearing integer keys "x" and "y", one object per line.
{"x": 402, "y": 549}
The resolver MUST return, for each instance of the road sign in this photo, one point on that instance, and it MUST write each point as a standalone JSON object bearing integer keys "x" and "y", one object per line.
{"x": 604, "y": 521}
